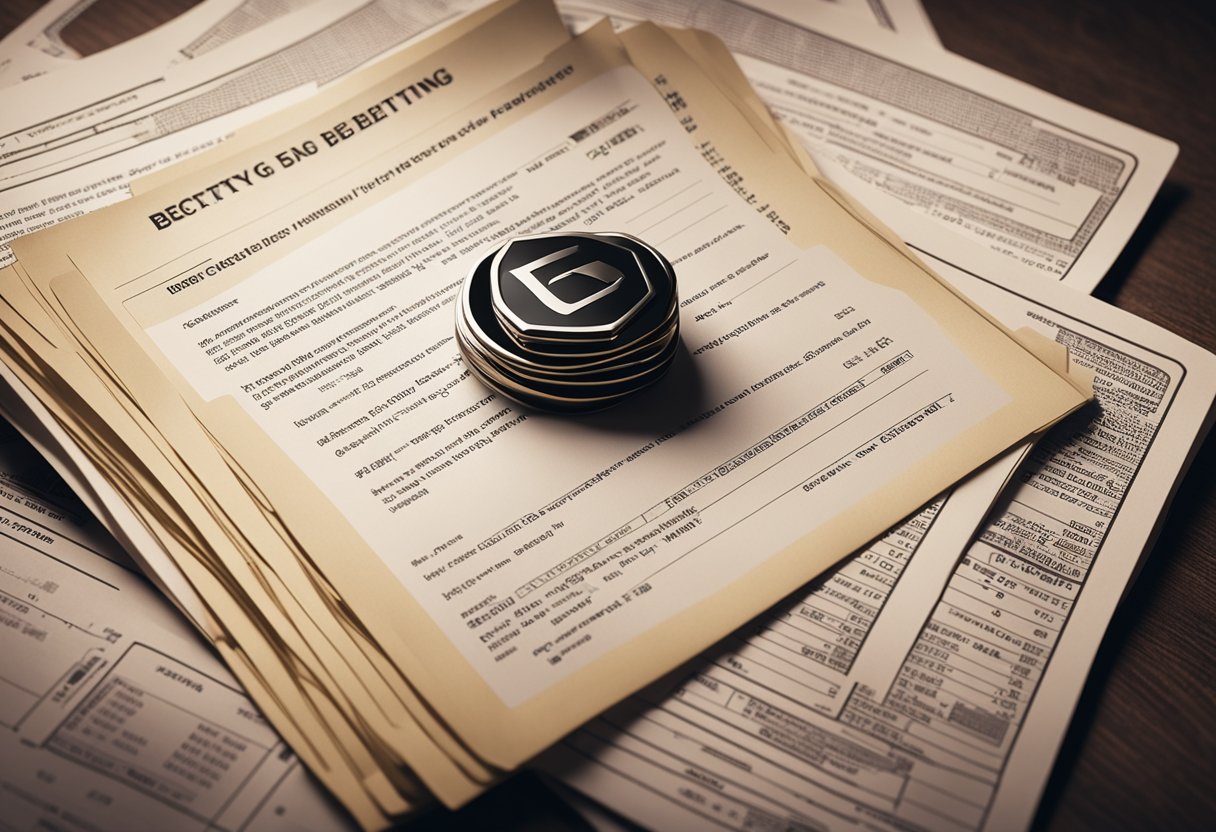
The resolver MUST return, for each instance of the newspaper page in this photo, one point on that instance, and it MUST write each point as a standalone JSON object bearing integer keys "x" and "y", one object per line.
{"x": 117, "y": 716}
{"x": 1055, "y": 188}
{"x": 962, "y": 731}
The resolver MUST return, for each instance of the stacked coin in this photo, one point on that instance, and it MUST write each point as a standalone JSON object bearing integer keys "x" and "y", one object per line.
{"x": 569, "y": 321}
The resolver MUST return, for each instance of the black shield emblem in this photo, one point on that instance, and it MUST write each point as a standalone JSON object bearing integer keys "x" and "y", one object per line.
{"x": 569, "y": 286}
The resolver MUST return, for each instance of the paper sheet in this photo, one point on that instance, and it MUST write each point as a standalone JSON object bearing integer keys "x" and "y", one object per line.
{"x": 1055, "y": 188}
{"x": 904, "y": 17}
{"x": 115, "y": 712}
{"x": 962, "y": 731}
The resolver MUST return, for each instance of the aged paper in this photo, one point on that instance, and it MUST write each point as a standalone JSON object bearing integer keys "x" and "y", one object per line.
{"x": 167, "y": 299}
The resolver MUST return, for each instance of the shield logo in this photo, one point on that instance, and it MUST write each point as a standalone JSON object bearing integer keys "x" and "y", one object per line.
{"x": 568, "y": 286}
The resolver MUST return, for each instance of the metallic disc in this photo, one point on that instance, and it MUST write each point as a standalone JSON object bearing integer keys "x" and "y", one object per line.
{"x": 569, "y": 322}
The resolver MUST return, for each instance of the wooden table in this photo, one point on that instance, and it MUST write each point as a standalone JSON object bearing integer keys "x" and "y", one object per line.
{"x": 1141, "y": 750}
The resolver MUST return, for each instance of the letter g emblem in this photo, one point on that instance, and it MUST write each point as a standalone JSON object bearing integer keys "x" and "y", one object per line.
{"x": 568, "y": 286}
{"x": 596, "y": 270}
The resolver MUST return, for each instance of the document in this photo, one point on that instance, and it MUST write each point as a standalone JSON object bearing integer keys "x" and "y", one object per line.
{"x": 116, "y": 715}
{"x": 306, "y": 327}
{"x": 393, "y": 482}
{"x": 962, "y": 731}
{"x": 1055, "y": 188}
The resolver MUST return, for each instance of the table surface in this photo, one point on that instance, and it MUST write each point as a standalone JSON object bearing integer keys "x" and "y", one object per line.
{"x": 1141, "y": 750}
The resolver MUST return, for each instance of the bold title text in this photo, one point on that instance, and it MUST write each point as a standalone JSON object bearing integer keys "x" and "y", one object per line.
{"x": 233, "y": 184}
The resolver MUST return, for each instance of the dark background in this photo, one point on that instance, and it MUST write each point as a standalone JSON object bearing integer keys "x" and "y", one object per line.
{"x": 1141, "y": 750}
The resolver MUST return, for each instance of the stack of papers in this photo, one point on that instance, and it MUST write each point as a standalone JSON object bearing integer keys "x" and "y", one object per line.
{"x": 247, "y": 372}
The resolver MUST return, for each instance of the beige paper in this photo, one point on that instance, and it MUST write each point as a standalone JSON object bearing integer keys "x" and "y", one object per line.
{"x": 504, "y": 736}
